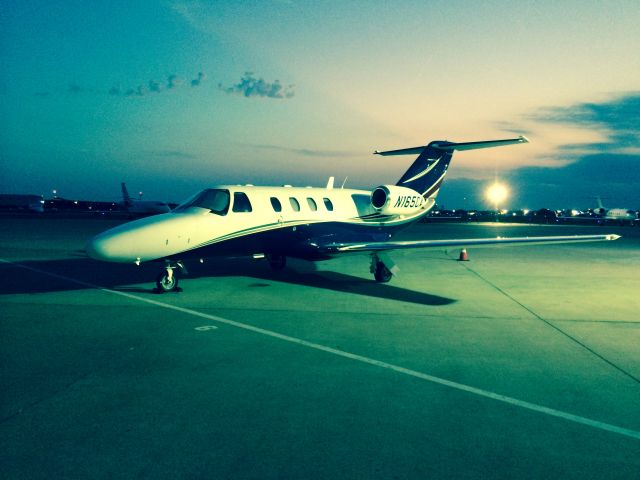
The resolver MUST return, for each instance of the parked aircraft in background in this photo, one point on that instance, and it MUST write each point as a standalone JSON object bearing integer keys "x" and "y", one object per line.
{"x": 621, "y": 215}
{"x": 601, "y": 215}
{"x": 20, "y": 202}
{"x": 142, "y": 207}
{"x": 308, "y": 223}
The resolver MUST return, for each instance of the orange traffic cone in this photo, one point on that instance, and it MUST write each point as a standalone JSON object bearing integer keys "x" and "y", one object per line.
{"x": 464, "y": 257}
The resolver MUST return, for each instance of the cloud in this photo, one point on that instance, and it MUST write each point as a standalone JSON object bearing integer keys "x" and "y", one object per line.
{"x": 618, "y": 119}
{"x": 173, "y": 154}
{"x": 307, "y": 152}
{"x": 173, "y": 82}
{"x": 140, "y": 91}
{"x": 585, "y": 149}
{"x": 154, "y": 86}
{"x": 614, "y": 177}
{"x": 197, "y": 81}
{"x": 607, "y": 167}
{"x": 75, "y": 88}
{"x": 250, "y": 86}
{"x": 511, "y": 127}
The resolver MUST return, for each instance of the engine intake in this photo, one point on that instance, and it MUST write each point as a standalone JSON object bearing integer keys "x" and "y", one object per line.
{"x": 394, "y": 200}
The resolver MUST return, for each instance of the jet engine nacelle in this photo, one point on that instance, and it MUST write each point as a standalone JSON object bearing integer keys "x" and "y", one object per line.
{"x": 394, "y": 200}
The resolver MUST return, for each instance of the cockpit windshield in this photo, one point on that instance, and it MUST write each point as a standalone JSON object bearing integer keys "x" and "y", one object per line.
{"x": 214, "y": 200}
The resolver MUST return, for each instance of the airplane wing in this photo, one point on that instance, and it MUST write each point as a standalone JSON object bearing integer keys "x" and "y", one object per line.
{"x": 467, "y": 242}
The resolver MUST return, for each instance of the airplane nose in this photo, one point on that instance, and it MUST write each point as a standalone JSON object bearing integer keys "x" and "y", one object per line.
{"x": 96, "y": 248}
{"x": 141, "y": 240}
{"x": 110, "y": 248}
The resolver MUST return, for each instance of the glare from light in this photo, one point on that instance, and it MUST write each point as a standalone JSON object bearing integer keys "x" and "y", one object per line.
{"x": 497, "y": 193}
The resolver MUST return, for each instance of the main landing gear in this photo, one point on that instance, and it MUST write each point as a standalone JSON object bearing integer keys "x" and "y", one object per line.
{"x": 167, "y": 279}
{"x": 382, "y": 267}
{"x": 381, "y": 273}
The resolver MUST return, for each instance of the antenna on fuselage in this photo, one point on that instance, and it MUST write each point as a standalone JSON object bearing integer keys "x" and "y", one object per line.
{"x": 330, "y": 183}
{"x": 345, "y": 181}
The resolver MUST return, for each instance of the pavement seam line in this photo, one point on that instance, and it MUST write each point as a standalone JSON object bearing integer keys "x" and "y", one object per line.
{"x": 550, "y": 324}
{"x": 370, "y": 361}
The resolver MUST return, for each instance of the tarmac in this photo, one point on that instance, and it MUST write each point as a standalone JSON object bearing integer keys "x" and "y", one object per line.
{"x": 523, "y": 362}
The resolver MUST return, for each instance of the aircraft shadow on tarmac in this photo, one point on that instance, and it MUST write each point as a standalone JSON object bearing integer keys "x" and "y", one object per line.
{"x": 127, "y": 277}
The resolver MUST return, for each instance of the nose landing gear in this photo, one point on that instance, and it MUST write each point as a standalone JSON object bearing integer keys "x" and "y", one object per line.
{"x": 167, "y": 279}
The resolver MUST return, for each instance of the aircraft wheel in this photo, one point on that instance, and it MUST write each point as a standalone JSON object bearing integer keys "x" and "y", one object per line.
{"x": 167, "y": 280}
{"x": 382, "y": 273}
{"x": 277, "y": 262}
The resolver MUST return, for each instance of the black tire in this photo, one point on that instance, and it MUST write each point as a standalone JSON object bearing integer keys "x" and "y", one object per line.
{"x": 164, "y": 284}
{"x": 277, "y": 262}
{"x": 382, "y": 274}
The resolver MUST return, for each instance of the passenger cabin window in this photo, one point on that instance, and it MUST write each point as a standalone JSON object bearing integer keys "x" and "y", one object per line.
{"x": 275, "y": 203}
{"x": 214, "y": 200}
{"x": 241, "y": 202}
{"x": 328, "y": 204}
{"x": 294, "y": 204}
{"x": 312, "y": 204}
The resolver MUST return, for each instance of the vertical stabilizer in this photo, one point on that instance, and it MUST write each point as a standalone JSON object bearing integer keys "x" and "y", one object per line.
{"x": 426, "y": 173}
{"x": 125, "y": 195}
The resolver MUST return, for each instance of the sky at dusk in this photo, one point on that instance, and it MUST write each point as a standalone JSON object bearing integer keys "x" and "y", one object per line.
{"x": 175, "y": 96}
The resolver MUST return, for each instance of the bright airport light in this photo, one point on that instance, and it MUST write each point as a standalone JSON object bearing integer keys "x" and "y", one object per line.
{"x": 497, "y": 193}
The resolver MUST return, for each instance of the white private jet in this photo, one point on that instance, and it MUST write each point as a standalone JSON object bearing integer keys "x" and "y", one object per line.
{"x": 621, "y": 215}
{"x": 309, "y": 223}
{"x": 603, "y": 215}
{"x": 142, "y": 207}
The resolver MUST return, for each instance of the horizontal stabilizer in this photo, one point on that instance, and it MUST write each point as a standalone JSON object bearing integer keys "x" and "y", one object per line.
{"x": 402, "y": 151}
{"x": 451, "y": 146}
{"x": 476, "y": 242}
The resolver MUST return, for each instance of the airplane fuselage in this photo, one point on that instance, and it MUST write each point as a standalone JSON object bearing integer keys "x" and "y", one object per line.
{"x": 620, "y": 214}
{"x": 146, "y": 207}
{"x": 259, "y": 220}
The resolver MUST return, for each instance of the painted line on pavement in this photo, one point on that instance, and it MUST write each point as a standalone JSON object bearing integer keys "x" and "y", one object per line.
{"x": 352, "y": 356}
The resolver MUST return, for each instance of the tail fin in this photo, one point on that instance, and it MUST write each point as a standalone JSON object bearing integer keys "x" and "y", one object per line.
{"x": 125, "y": 195}
{"x": 599, "y": 202}
{"x": 427, "y": 172}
